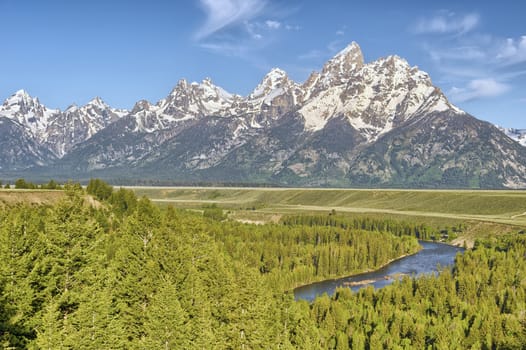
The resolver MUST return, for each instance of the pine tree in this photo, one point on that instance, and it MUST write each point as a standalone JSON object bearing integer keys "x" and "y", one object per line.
{"x": 165, "y": 324}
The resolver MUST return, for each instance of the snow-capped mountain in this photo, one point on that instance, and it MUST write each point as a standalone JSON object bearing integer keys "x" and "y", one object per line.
{"x": 379, "y": 123}
{"x": 56, "y": 130}
{"x": 28, "y": 112}
{"x": 374, "y": 97}
{"x": 187, "y": 101}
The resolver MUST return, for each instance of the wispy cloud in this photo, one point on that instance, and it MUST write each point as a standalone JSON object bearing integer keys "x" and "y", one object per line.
{"x": 513, "y": 50}
{"x": 253, "y": 31}
{"x": 478, "y": 88}
{"x": 484, "y": 50}
{"x": 243, "y": 29}
{"x": 225, "y": 13}
{"x": 459, "y": 53}
{"x": 239, "y": 27}
{"x": 447, "y": 23}
{"x": 272, "y": 24}
{"x": 473, "y": 64}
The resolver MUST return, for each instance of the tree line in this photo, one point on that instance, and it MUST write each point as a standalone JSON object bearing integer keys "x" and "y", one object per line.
{"x": 396, "y": 227}
{"x": 28, "y": 185}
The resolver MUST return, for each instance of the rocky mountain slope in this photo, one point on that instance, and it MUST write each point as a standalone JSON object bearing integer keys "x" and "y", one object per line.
{"x": 353, "y": 123}
{"x": 18, "y": 148}
{"x": 56, "y": 130}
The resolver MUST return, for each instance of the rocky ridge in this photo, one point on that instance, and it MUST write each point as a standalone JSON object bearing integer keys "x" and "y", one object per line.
{"x": 381, "y": 123}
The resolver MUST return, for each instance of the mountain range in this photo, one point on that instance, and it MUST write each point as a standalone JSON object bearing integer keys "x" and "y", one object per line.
{"x": 376, "y": 124}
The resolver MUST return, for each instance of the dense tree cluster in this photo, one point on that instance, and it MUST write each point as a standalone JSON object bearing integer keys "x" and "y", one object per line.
{"x": 481, "y": 304}
{"x": 124, "y": 274}
{"x": 288, "y": 256}
{"x": 396, "y": 227}
{"x": 99, "y": 189}
{"x": 128, "y": 276}
{"x": 27, "y": 185}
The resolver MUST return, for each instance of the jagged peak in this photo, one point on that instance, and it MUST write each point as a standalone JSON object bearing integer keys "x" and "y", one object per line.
{"x": 394, "y": 60}
{"x": 276, "y": 76}
{"x": 353, "y": 49}
{"x": 207, "y": 81}
{"x": 22, "y": 92}
{"x": 21, "y": 95}
{"x": 22, "y": 102}
{"x": 276, "y": 73}
{"x": 275, "y": 79}
{"x": 97, "y": 101}
{"x": 181, "y": 84}
{"x": 141, "y": 105}
{"x": 343, "y": 65}
{"x": 210, "y": 89}
{"x": 72, "y": 108}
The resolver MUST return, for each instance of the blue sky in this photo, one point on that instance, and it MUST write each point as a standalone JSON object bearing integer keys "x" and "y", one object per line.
{"x": 66, "y": 51}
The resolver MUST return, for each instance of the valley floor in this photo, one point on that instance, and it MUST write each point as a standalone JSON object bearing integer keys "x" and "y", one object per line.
{"x": 496, "y": 210}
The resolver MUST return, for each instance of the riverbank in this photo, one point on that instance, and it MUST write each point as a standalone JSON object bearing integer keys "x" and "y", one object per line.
{"x": 427, "y": 260}
{"x": 355, "y": 274}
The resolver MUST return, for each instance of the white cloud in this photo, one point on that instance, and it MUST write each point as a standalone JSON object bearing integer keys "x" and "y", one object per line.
{"x": 477, "y": 56}
{"x": 223, "y": 13}
{"x": 340, "y": 32}
{"x": 447, "y": 23}
{"x": 459, "y": 53}
{"x": 478, "y": 88}
{"x": 512, "y": 50}
{"x": 273, "y": 24}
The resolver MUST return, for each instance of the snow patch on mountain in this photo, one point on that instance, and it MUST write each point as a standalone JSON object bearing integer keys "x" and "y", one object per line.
{"x": 375, "y": 97}
{"x": 59, "y": 131}
{"x": 518, "y": 135}
{"x": 27, "y": 111}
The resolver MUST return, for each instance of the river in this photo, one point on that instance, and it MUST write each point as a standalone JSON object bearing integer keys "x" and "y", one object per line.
{"x": 425, "y": 261}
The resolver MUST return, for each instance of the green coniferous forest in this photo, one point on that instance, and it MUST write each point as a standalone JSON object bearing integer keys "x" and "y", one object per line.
{"x": 122, "y": 273}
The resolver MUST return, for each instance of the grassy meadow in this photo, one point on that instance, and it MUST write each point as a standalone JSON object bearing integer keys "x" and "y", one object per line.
{"x": 33, "y": 196}
{"x": 508, "y": 207}
{"x": 484, "y": 212}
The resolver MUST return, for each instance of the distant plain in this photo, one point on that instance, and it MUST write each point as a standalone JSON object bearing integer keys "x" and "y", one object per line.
{"x": 504, "y": 207}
